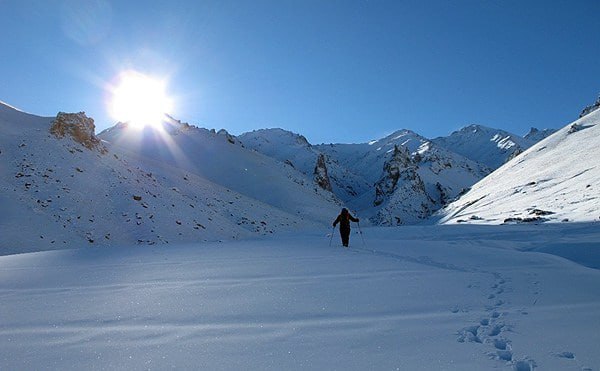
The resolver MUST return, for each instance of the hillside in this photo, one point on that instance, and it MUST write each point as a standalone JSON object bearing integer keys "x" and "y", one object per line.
{"x": 65, "y": 188}
{"x": 555, "y": 180}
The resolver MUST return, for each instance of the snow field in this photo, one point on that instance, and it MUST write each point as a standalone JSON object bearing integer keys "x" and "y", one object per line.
{"x": 421, "y": 298}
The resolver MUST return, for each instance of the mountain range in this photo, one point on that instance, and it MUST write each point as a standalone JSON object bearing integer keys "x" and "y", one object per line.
{"x": 402, "y": 178}
{"x": 63, "y": 185}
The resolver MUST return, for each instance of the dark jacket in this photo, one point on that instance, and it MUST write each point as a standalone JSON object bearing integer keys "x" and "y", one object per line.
{"x": 344, "y": 219}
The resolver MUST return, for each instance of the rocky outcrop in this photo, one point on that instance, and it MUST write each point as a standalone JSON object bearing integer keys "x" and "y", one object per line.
{"x": 517, "y": 152}
{"x": 401, "y": 192}
{"x": 591, "y": 108}
{"x": 320, "y": 174}
{"x": 230, "y": 138}
{"x": 79, "y": 127}
{"x": 399, "y": 164}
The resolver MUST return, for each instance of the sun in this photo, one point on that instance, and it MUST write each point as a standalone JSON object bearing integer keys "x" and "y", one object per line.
{"x": 139, "y": 100}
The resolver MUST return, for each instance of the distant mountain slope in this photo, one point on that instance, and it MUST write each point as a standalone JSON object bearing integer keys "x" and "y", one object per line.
{"x": 491, "y": 147}
{"x": 293, "y": 149}
{"x": 56, "y": 192}
{"x": 535, "y": 135}
{"x": 399, "y": 179}
{"x": 411, "y": 176}
{"x": 558, "y": 179}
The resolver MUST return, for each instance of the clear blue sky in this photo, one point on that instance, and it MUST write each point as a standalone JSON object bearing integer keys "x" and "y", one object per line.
{"x": 335, "y": 71}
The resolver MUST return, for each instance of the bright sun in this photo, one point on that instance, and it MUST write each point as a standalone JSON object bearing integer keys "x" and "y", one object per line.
{"x": 139, "y": 100}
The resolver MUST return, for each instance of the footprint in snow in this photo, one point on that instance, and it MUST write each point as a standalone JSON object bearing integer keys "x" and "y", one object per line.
{"x": 495, "y": 330}
{"x": 527, "y": 365}
{"x": 567, "y": 355}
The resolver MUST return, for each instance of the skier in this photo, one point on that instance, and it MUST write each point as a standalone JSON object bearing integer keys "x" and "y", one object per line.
{"x": 344, "y": 219}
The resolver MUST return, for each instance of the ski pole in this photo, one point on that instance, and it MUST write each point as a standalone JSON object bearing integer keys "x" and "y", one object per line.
{"x": 359, "y": 230}
{"x": 361, "y": 235}
{"x": 331, "y": 238}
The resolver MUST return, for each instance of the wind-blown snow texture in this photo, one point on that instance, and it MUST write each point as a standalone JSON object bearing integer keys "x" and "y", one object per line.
{"x": 414, "y": 298}
{"x": 558, "y": 179}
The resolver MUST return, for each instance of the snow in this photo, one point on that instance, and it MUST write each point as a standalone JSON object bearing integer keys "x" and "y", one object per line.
{"x": 418, "y": 298}
{"x": 556, "y": 180}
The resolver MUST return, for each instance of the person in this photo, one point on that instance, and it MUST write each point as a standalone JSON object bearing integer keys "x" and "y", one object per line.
{"x": 344, "y": 219}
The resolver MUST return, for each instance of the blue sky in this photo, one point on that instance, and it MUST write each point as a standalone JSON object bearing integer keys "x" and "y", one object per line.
{"x": 334, "y": 71}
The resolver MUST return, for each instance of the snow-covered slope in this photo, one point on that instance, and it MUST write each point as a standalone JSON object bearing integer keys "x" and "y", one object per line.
{"x": 222, "y": 159}
{"x": 558, "y": 179}
{"x": 62, "y": 189}
{"x": 492, "y": 147}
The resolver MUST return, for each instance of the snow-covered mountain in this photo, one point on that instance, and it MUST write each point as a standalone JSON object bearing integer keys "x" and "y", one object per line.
{"x": 399, "y": 179}
{"x": 555, "y": 180}
{"x": 60, "y": 186}
{"x": 492, "y": 147}
{"x": 168, "y": 184}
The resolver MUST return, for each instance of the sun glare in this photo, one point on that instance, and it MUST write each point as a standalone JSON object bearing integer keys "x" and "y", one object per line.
{"x": 139, "y": 100}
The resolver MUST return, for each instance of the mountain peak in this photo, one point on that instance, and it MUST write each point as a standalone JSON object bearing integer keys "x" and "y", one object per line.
{"x": 483, "y": 144}
{"x": 476, "y": 129}
{"x": 276, "y": 135}
{"x": 535, "y": 134}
